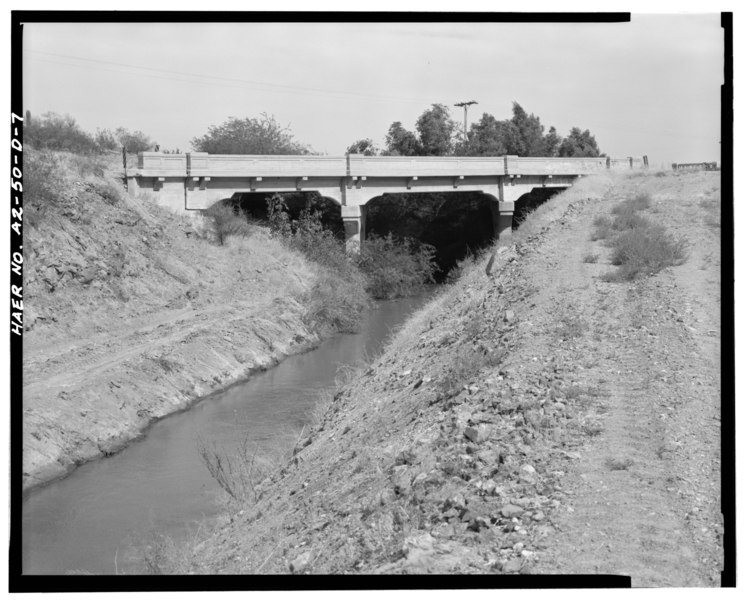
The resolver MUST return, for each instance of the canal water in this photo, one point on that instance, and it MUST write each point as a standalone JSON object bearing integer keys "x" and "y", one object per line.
{"x": 94, "y": 520}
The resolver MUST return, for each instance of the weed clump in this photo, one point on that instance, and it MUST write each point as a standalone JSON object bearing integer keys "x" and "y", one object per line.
{"x": 395, "y": 268}
{"x": 335, "y": 303}
{"x": 591, "y": 258}
{"x": 641, "y": 201}
{"x": 227, "y": 220}
{"x": 639, "y": 246}
{"x": 602, "y": 228}
{"x": 648, "y": 249}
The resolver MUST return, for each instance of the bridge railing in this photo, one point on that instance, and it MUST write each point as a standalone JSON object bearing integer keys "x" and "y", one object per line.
{"x": 432, "y": 166}
{"x": 245, "y": 165}
{"x": 626, "y": 163}
{"x": 201, "y": 164}
{"x": 553, "y": 166}
{"x": 161, "y": 165}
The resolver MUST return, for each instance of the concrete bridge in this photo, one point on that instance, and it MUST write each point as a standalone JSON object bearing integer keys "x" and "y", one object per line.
{"x": 196, "y": 180}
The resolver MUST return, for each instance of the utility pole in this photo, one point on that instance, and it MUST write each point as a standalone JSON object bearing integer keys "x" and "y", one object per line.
{"x": 465, "y": 106}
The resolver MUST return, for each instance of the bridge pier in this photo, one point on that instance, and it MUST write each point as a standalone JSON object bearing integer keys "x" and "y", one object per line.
{"x": 503, "y": 214}
{"x": 354, "y": 222}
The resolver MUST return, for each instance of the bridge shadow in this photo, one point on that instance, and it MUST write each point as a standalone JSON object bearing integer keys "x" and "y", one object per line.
{"x": 527, "y": 203}
{"x": 457, "y": 224}
{"x": 255, "y": 206}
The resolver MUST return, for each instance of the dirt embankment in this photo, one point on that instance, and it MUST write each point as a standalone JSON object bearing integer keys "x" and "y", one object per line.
{"x": 537, "y": 420}
{"x": 133, "y": 314}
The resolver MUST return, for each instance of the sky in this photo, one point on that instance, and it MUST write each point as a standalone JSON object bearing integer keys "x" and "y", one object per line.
{"x": 650, "y": 86}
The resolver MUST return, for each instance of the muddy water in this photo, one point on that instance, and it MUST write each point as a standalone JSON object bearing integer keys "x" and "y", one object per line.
{"x": 96, "y": 519}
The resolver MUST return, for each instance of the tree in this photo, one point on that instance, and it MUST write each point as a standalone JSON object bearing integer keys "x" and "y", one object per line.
{"x": 524, "y": 133}
{"x": 263, "y": 135}
{"x": 401, "y": 142}
{"x": 106, "y": 140}
{"x": 486, "y": 138}
{"x": 435, "y": 129}
{"x": 551, "y": 143}
{"x": 578, "y": 144}
{"x": 133, "y": 141}
{"x": 364, "y": 146}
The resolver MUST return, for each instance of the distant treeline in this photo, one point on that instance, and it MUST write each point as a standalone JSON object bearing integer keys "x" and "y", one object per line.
{"x": 437, "y": 134}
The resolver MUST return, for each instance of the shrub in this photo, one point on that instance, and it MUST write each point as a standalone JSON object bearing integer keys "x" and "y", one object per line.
{"x": 463, "y": 265}
{"x": 133, "y": 141}
{"x": 396, "y": 268}
{"x": 106, "y": 140}
{"x": 338, "y": 298}
{"x": 43, "y": 181}
{"x": 591, "y": 258}
{"x": 226, "y": 221}
{"x": 603, "y": 228}
{"x": 58, "y": 132}
{"x": 335, "y": 303}
{"x": 262, "y": 135}
{"x": 641, "y": 201}
{"x": 626, "y": 221}
{"x": 644, "y": 250}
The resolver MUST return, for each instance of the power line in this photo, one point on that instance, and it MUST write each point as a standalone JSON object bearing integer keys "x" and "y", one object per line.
{"x": 246, "y": 83}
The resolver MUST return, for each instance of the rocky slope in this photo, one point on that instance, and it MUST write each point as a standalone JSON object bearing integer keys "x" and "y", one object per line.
{"x": 536, "y": 420}
{"x": 133, "y": 313}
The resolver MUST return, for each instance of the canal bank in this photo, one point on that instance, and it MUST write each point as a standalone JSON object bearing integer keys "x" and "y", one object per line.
{"x": 103, "y": 517}
{"x": 540, "y": 418}
{"x": 133, "y": 313}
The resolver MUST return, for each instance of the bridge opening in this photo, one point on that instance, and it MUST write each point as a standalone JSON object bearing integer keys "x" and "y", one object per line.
{"x": 527, "y": 203}
{"x": 254, "y": 205}
{"x": 455, "y": 223}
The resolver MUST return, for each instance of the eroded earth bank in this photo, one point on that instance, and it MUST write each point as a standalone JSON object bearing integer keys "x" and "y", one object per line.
{"x": 133, "y": 313}
{"x": 539, "y": 419}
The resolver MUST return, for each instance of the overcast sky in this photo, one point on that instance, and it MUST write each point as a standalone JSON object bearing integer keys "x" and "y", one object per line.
{"x": 651, "y": 86}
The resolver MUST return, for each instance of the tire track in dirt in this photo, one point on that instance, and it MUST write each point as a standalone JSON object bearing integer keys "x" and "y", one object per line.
{"x": 629, "y": 512}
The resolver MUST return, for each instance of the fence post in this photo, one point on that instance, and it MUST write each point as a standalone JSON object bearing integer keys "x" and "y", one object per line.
{"x": 607, "y": 162}
{"x": 645, "y": 159}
